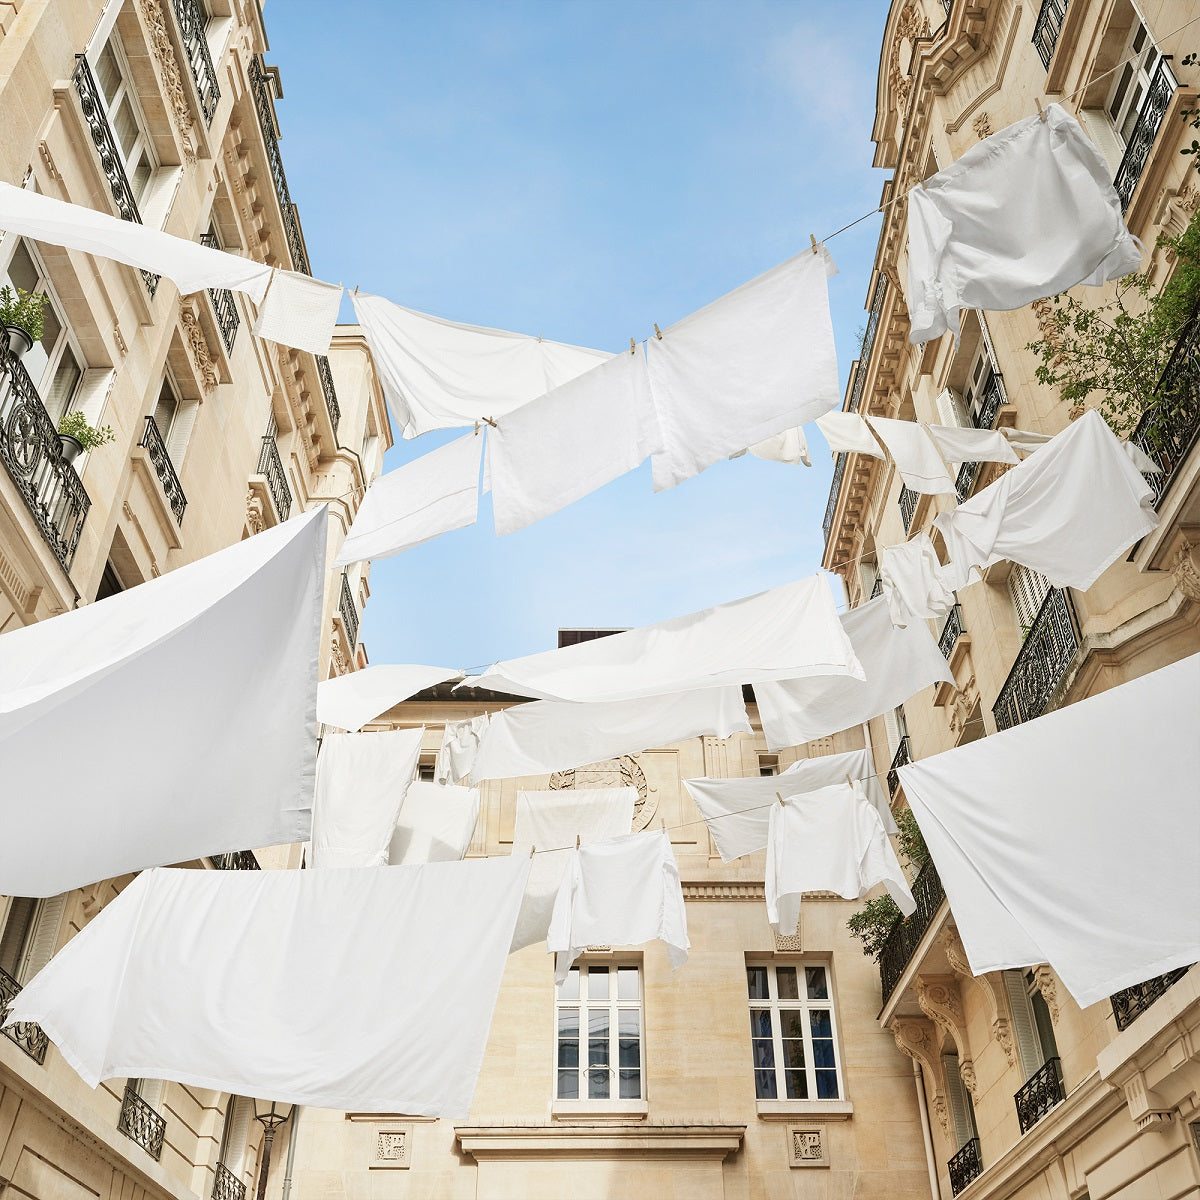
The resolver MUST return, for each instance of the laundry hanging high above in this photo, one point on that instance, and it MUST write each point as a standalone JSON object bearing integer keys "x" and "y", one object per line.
{"x": 299, "y": 311}
{"x": 917, "y": 458}
{"x": 960, "y": 444}
{"x": 436, "y": 823}
{"x": 460, "y": 745}
{"x": 848, "y": 433}
{"x": 915, "y": 584}
{"x": 349, "y": 701}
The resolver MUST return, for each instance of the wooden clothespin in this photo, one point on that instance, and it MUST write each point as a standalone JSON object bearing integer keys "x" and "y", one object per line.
{"x": 489, "y": 421}
{"x": 531, "y": 850}
{"x": 356, "y": 289}
{"x": 539, "y": 337}
{"x": 476, "y": 428}
{"x": 812, "y": 238}
{"x": 779, "y": 797}
{"x": 849, "y": 782}
{"x": 632, "y": 346}
{"x": 664, "y": 824}
{"x": 1041, "y": 110}
{"x": 657, "y": 331}
{"x": 577, "y": 841}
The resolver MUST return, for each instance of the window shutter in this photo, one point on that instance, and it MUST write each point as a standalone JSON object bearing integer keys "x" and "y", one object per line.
{"x": 960, "y": 1101}
{"x": 17, "y": 924}
{"x": 236, "y": 1135}
{"x": 1100, "y": 129}
{"x": 1028, "y": 590}
{"x": 951, "y": 410}
{"x": 181, "y": 431}
{"x": 93, "y": 391}
{"x": 151, "y": 1090}
{"x": 891, "y": 727}
{"x": 1024, "y": 1031}
{"x": 44, "y": 938}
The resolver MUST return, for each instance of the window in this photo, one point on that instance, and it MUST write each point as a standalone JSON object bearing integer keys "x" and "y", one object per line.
{"x": 28, "y": 934}
{"x": 598, "y": 1033}
{"x": 427, "y": 772}
{"x": 128, "y": 123}
{"x": 962, "y": 1108}
{"x": 235, "y": 1134}
{"x": 768, "y": 764}
{"x": 174, "y": 418}
{"x": 166, "y": 410}
{"x": 1132, "y": 81}
{"x": 792, "y": 1033}
{"x": 895, "y": 726}
{"x": 1028, "y": 590}
{"x": 1033, "y": 1029}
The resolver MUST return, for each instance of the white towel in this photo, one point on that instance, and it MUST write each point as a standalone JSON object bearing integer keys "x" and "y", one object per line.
{"x": 299, "y": 311}
{"x": 915, "y": 455}
{"x": 914, "y": 582}
{"x": 959, "y": 444}
{"x": 436, "y": 824}
{"x": 848, "y": 433}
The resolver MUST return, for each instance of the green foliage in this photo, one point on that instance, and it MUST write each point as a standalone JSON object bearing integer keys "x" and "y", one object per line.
{"x": 24, "y": 309}
{"x": 910, "y": 841}
{"x": 74, "y": 425}
{"x": 876, "y": 919}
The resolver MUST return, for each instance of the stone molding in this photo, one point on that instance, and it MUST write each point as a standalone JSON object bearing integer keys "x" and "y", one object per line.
{"x": 640, "y": 1140}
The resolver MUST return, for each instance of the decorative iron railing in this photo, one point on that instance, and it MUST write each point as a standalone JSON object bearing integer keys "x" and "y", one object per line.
{"x": 1145, "y": 132}
{"x": 951, "y": 631}
{"x": 965, "y": 1166}
{"x": 1041, "y": 663}
{"x": 195, "y": 43}
{"x": 868, "y": 342}
{"x": 835, "y": 485}
{"x": 349, "y": 612}
{"x": 140, "y": 1123}
{"x": 224, "y": 308}
{"x": 270, "y": 465}
{"x": 908, "y": 505}
{"x": 994, "y": 397}
{"x": 236, "y": 860}
{"x": 1040, "y": 1094}
{"x": 967, "y": 474}
{"x": 877, "y": 587}
{"x": 906, "y": 934}
{"x": 947, "y": 5}
{"x": 226, "y": 1185}
{"x": 164, "y": 468}
{"x": 1129, "y": 1003}
{"x": 902, "y": 756}
{"x": 1048, "y": 27}
{"x": 331, "y": 400}
{"x": 25, "y": 1034}
{"x": 111, "y": 161}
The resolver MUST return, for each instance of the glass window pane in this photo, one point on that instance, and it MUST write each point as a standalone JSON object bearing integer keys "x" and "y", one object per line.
{"x": 823, "y": 1055}
{"x": 793, "y": 1054}
{"x": 125, "y": 126}
{"x": 165, "y": 409}
{"x": 630, "y": 1051}
{"x": 629, "y": 1022}
{"x": 598, "y": 1085}
{"x": 108, "y": 73}
{"x": 786, "y": 979}
{"x": 568, "y": 1085}
{"x": 598, "y": 1052}
{"x": 627, "y": 983}
{"x": 822, "y": 1025}
{"x": 51, "y": 329}
{"x": 140, "y": 177}
{"x": 764, "y": 1085}
{"x": 760, "y": 1022}
{"x": 762, "y": 1051}
{"x": 597, "y": 978}
{"x": 569, "y": 990}
{"x": 756, "y": 980}
{"x": 568, "y": 1022}
{"x": 568, "y": 1054}
{"x": 827, "y": 1085}
{"x": 22, "y": 271}
{"x": 817, "y": 983}
{"x": 57, "y": 396}
{"x": 792, "y": 1023}
{"x": 630, "y": 1085}
{"x": 597, "y": 1023}
{"x": 796, "y": 1083}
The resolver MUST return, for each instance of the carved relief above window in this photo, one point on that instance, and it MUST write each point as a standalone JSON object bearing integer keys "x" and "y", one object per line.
{"x": 911, "y": 25}
{"x": 616, "y": 772}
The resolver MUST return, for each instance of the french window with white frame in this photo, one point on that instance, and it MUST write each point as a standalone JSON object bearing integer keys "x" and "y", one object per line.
{"x": 598, "y": 1033}
{"x": 129, "y": 124}
{"x": 793, "y": 1032}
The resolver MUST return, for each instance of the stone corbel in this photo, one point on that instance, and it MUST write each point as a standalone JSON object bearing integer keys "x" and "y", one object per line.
{"x": 917, "y": 1038}
{"x": 1145, "y": 1106}
{"x": 1183, "y": 567}
{"x": 991, "y": 987}
{"x": 940, "y": 1001}
{"x": 1047, "y": 984}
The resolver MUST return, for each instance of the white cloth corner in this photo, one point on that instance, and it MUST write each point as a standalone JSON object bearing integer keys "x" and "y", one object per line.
{"x": 960, "y": 444}
{"x": 1023, "y": 441}
{"x": 417, "y": 502}
{"x": 349, "y": 701}
{"x": 436, "y": 824}
{"x": 790, "y": 446}
{"x": 299, "y": 311}
{"x": 915, "y": 455}
{"x": 460, "y": 745}
{"x": 848, "y": 433}
{"x": 1140, "y": 459}
{"x": 621, "y": 892}
{"x": 914, "y": 582}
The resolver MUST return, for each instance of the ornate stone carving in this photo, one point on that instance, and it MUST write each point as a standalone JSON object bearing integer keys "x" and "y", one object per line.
{"x": 989, "y": 985}
{"x": 201, "y": 356}
{"x": 337, "y": 656}
{"x": 788, "y": 942}
{"x": 1047, "y": 984}
{"x": 966, "y": 1072}
{"x": 1077, "y": 411}
{"x": 911, "y": 25}
{"x": 392, "y": 1148}
{"x": 917, "y": 1038}
{"x": 982, "y": 124}
{"x": 807, "y": 1146}
{"x": 617, "y": 772}
{"x": 966, "y": 700}
{"x": 939, "y": 1000}
{"x": 1049, "y": 325}
{"x": 255, "y": 520}
{"x": 1183, "y": 567}
{"x": 164, "y": 53}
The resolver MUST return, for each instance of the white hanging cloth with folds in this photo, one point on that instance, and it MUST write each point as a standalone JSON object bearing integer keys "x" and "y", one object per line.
{"x": 361, "y": 781}
{"x": 916, "y": 456}
{"x": 546, "y": 736}
{"x": 622, "y": 892}
{"x": 235, "y": 638}
{"x": 738, "y": 811}
{"x": 438, "y": 374}
{"x": 571, "y": 441}
{"x": 299, "y": 311}
{"x": 460, "y": 746}
{"x": 898, "y": 663}
{"x": 1074, "y": 839}
{"x": 790, "y": 446}
{"x": 350, "y": 701}
{"x": 363, "y": 991}
{"x": 747, "y": 366}
{"x": 914, "y": 582}
{"x": 436, "y": 824}
{"x": 830, "y": 840}
{"x": 788, "y": 632}
{"x": 1025, "y": 443}
{"x": 550, "y": 822}
{"x": 960, "y": 444}
{"x": 417, "y": 502}
{"x": 848, "y": 433}
{"x": 1069, "y": 511}
{"x": 1027, "y": 213}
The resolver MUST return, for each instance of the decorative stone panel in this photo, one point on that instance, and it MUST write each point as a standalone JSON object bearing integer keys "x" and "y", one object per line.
{"x": 393, "y": 1148}
{"x": 807, "y": 1146}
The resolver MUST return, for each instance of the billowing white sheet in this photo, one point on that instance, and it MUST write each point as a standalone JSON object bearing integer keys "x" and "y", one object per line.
{"x": 916, "y": 456}
{"x": 436, "y": 824}
{"x": 848, "y": 433}
{"x": 460, "y": 746}
{"x": 350, "y": 701}
{"x": 960, "y": 444}
{"x": 915, "y": 583}
{"x": 790, "y": 446}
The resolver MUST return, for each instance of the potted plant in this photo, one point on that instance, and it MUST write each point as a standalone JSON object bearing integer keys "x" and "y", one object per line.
{"x": 77, "y": 435}
{"x": 21, "y": 314}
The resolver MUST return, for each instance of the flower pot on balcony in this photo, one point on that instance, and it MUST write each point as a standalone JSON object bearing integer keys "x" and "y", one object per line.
{"x": 72, "y": 448}
{"x": 19, "y": 340}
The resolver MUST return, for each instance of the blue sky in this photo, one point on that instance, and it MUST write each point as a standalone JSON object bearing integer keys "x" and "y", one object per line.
{"x": 581, "y": 170}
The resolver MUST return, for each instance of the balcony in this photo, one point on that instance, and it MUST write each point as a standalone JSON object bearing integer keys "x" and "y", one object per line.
{"x": 1145, "y": 132}
{"x": 349, "y": 613}
{"x": 140, "y": 1123}
{"x": 164, "y": 468}
{"x": 907, "y": 932}
{"x": 1042, "y": 662}
{"x": 195, "y": 44}
{"x": 270, "y": 466}
{"x": 908, "y": 505}
{"x": 951, "y": 632}
{"x": 1043, "y": 1091}
{"x": 224, "y": 308}
{"x": 877, "y": 587}
{"x": 226, "y": 1185}
{"x": 994, "y": 398}
{"x": 1129, "y": 1003}
{"x": 32, "y": 454}
{"x": 967, "y": 474}
{"x": 965, "y": 1167}
{"x": 902, "y": 756}
{"x": 868, "y": 343}
{"x": 236, "y": 860}
{"x": 835, "y": 486}
{"x": 25, "y": 1034}
{"x": 331, "y": 400}
{"x": 1048, "y": 27}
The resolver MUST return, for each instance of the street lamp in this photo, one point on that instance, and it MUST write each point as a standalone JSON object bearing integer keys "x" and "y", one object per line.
{"x": 272, "y": 1114}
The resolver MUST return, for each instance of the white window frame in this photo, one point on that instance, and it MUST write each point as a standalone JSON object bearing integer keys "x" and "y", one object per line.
{"x": 1131, "y": 84}
{"x": 143, "y": 145}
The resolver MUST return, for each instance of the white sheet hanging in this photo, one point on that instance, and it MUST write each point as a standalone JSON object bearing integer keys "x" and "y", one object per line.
{"x": 915, "y": 455}
{"x": 848, "y": 433}
{"x": 1023, "y": 441}
{"x": 460, "y": 746}
{"x": 914, "y": 582}
{"x": 550, "y": 822}
{"x": 436, "y": 824}
{"x": 363, "y": 991}
{"x": 1027, "y": 213}
{"x": 350, "y": 701}
{"x": 299, "y": 311}
{"x": 417, "y": 502}
{"x": 1068, "y": 511}
{"x": 898, "y": 664}
{"x": 622, "y": 892}
{"x": 959, "y": 444}
{"x": 755, "y": 362}
{"x": 790, "y": 446}
{"x": 438, "y": 374}
{"x": 545, "y": 736}
{"x": 1074, "y": 839}
{"x": 234, "y": 638}
{"x": 788, "y": 632}
{"x": 361, "y": 781}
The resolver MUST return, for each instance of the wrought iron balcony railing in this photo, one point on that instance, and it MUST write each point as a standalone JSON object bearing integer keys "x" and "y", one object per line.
{"x": 224, "y": 308}
{"x": 835, "y": 486}
{"x": 965, "y": 1166}
{"x": 195, "y": 43}
{"x": 349, "y": 612}
{"x": 951, "y": 631}
{"x": 1048, "y": 27}
{"x": 164, "y": 468}
{"x": 1040, "y": 1094}
{"x": 226, "y": 1185}
{"x": 331, "y": 400}
{"x": 270, "y": 465}
{"x": 868, "y": 342}
{"x": 994, "y": 397}
{"x": 1041, "y": 663}
{"x": 908, "y": 505}
{"x": 907, "y": 932}
{"x": 968, "y": 472}
{"x": 111, "y": 161}
{"x": 140, "y": 1123}
{"x": 236, "y": 860}
{"x": 1145, "y": 132}
{"x": 877, "y": 587}
{"x": 25, "y": 1034}
{"x": 902, "y": 756}
{"x": 1129, "y": 1003}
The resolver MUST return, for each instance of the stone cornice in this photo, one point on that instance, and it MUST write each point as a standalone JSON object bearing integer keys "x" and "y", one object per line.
{"x": 635, "y": 1140}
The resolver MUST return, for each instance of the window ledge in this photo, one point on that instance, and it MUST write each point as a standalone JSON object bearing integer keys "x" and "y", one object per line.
{"x": 787, "y": 1110}
{"x": 598, "y": 1110}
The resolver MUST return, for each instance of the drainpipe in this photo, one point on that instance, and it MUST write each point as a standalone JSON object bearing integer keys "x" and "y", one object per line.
{"x": 935, "y": 1188}
{"x": 291, "y": 1154}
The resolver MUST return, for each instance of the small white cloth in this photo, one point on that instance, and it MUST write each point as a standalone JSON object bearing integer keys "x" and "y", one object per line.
{"x": 363, "y": 991}
{"x": 898, "y": 664}
{"x": 436, "y": 824}
{"x": 417, "y": 502}
{"x": 361, "y": 781}
{"x": 1068, "y": 511}
{"x": 350, "y": 701}
{"x": 915, "y": 455}
{"x": 1027, "y": 213}
{"x": 789, "y": 632}
{"x": 1023, "y": 441}
{"x": 621, "y": 892}
{"x": 1074, "y": 838}
{"x": 460, "y": 745}
{"x": 960, "y": 444}
{"x": 438, "y": 374}
{"x": 830, "y": 840}
{"x": 571, "y": 441}
{"x": 738, "y": 811}
{"x": 848, "y": 433}
{"x": 549, "y": 822}
{"x": 225, "y": 756}
{"x": 1140, "y": 459}
{"x": 299, "y": 311}
{"x": 790, "y": 446}
{"x": 914, "y": 581}
{"x": 755, "y": 362}
{"x": 546, "y": 736}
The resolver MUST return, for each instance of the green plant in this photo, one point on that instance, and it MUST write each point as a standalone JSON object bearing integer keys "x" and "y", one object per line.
{"x": 873, "y": 923}
{"x": 24, "y": 309}
{"x": 74, "y": 425}
{"x": 910, "y": 841}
